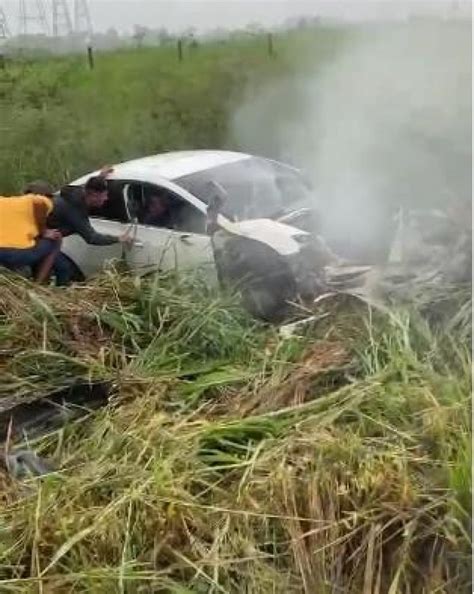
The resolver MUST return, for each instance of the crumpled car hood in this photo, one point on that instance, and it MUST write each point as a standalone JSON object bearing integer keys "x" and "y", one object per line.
{"x": 280, "y": 237}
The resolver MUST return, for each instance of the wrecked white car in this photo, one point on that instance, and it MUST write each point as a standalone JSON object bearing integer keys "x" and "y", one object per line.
{"x": 249, "y": 222}
{"x": 257, "y": 241}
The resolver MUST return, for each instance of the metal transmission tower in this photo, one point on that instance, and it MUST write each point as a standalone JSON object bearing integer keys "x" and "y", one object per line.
{"x": 62, "y": 24}
{"x": 4, "y": 30}
{"x": 82, "y": 18}
{"x": 33, "y": 17}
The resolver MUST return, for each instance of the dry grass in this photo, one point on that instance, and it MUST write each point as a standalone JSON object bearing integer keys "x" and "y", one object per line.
{"x": 233, "y": 461}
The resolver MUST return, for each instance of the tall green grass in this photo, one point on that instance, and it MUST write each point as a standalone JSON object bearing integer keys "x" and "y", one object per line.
{"x": 59, "y": 120}
{"x": 231, "y": 460}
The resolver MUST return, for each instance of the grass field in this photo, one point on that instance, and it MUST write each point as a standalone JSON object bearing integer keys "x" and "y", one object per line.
{"x": 230, "y": 459}
{"x": 58, "y": 119}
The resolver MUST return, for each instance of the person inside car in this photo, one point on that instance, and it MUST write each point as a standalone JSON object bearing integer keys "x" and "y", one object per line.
{"x": 158, "y": 213}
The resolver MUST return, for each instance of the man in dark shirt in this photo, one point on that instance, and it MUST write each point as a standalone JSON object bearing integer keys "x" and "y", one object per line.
{"x": 70, "y": 215}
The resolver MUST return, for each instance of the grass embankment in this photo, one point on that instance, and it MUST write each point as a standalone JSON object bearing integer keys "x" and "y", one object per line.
{"x": 59, "y": 120}
{"x": 231, "y": 460}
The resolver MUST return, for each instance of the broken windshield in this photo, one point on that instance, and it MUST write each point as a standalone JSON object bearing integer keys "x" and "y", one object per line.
{"x": 255, "y": 188}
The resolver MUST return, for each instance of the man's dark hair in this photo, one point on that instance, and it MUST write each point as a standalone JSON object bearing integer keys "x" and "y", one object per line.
{"x": 39, "y": 187}
{"x": 96, "y": 184}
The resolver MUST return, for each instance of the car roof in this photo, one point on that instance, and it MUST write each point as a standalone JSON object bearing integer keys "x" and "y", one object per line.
{"x": 172, "y": 165}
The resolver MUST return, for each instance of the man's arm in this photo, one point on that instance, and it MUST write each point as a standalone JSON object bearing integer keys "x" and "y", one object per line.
{"x": 105, "y": 171}
{"x": 80, "y": 224}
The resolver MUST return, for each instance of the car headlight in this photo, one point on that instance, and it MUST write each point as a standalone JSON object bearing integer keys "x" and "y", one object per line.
{"x": 303, "y": 238}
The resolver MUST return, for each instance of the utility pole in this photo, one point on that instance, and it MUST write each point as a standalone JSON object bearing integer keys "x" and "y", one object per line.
{"x": 33, "y": 17}
{"x": 4, "y": 35}
{"x": 4, "y": 30}
{"x": 62, "y": 24}
{"x": 82, "y": 18}
{"x": 83, "y": 28}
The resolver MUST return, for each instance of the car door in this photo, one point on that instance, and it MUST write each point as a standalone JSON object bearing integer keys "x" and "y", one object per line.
{"x": 111, "y": 219}
{"x": 177, "y": 242}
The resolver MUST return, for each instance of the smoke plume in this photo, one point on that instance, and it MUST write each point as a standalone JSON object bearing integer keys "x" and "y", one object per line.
{"x": 385, "y": 122}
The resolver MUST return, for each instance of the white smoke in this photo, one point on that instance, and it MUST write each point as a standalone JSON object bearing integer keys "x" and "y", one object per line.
{"x": 386, "y": 122}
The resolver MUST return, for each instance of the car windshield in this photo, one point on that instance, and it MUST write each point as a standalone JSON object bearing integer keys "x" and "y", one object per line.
{"x": 255, "y": 188}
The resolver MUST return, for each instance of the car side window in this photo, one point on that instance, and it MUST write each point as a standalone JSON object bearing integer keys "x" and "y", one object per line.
{"x": 156, "y": 206}
{"x": 255, "y": 188}
{"x": 114, "y": 209}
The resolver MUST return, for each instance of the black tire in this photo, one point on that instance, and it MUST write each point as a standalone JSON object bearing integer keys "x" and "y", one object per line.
{"x": 260, "y": 274}
{"x": 77, "y": 275}
{"x": 264, "y": 304}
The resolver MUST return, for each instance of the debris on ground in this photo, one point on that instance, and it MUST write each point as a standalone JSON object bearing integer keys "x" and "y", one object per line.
{"x": 26, "y": 464}
{"x": 274, "y": 265}
{"x": 295, "y": 328}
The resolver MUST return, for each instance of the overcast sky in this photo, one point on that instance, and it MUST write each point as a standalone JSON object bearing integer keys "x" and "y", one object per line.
{"x": 207, "y": 14}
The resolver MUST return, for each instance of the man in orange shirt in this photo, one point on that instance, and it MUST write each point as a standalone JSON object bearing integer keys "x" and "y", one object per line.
{"x": 24, "y": 239}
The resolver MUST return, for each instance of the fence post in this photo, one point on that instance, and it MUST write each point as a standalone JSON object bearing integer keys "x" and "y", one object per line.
{"x": 180, "y": 50}
{"x": 271, "y": 50}
{"x": 90, "y": 57}
{"x": 2, "y": 61}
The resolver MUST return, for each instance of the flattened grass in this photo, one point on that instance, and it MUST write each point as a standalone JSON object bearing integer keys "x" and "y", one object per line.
{"x": 195, "y": 480}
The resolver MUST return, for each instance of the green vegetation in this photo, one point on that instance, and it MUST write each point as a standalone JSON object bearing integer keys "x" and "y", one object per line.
{"x": 231, "y": 460}
{"x": 59, "y": 120}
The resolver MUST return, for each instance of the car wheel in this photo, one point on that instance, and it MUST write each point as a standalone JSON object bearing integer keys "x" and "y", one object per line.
{"x": 260, "y": 274}
{"x": 264, "y": 304}
{"x": 77, "y": 275}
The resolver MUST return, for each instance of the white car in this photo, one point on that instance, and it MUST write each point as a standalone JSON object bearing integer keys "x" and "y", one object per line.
{"x": 260, "y": 231}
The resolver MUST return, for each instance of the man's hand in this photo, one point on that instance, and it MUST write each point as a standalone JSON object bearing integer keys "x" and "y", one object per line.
{"x": 53, "y": 234}
{"x": 106, "y": 170}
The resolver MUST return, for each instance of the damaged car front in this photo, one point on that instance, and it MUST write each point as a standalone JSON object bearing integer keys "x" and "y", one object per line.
{"x": 277, "y": 266}
{"x": 262, "y": 234}
{"x": 274, "y": 265}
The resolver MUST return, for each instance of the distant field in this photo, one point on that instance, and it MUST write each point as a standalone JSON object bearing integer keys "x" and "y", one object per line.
{"x": 58, "y": 119}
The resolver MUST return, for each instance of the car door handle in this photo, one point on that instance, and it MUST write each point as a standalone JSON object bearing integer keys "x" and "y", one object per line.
{"x": 185, "y": 238}
{"x": 138, "y": 244}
